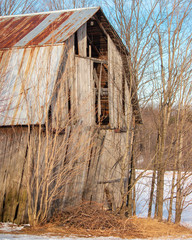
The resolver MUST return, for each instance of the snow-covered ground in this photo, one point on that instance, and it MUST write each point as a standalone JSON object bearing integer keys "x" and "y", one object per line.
{"x": 31, "y": 237}
{"x": 142, "y": 190}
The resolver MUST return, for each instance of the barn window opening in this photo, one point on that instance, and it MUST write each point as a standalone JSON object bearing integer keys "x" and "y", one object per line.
{"x": 69, "y": 103}
{"x": 96, "y": 40}
{"x": 97, "y": 47}
{"x": 50, "y": 116}
{"x": 100, "y": 76}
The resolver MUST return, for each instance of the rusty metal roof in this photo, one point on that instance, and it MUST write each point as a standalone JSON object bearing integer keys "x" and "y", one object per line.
{"x": 42, "y": 28}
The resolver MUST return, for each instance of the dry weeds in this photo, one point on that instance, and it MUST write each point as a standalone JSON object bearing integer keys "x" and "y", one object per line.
{"x": 92, "y": 220}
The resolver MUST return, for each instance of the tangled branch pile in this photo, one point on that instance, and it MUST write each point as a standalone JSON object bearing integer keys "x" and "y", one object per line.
{"x": 92, "y": 220}
{"x": 93, "y": 217}
{"x": 87, "y": 216}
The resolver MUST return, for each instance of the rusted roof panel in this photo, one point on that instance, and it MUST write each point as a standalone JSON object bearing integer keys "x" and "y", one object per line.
{"x": 42, "y": 28}
{"x": 28, "y": 77}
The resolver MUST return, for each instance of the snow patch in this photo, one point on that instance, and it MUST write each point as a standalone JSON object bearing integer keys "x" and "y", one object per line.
{"x": 11, "y": 227}
{"x": 31, "y": 237}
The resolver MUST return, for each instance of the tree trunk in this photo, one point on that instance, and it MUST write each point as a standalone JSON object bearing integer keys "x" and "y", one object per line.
{"x": 153, "y": 180}
{"x": 171, "y": 198}
{"x": 178, "y": 195}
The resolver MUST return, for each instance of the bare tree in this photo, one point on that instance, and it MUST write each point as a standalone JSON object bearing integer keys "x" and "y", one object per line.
{"x": 58, "y": 144}
{"x": 173, "y": 45}
{"x": 58, "y": 150}
{"x": 181, "y": 141}
{"x": 135, "y": 25}
{"x": 51, "y": 5}
{"x": 9, "y": 7}
{"x": 159, "y": 44}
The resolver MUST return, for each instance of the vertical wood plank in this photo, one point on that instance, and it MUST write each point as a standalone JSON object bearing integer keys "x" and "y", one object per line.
{"x": 117, "y": 117}
{"x": 110, "y": 83}
{"x": 82, "y": 40}
{"x": 85, "y": 90}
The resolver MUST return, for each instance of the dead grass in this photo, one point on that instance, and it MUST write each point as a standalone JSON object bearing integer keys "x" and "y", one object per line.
{"x": 91, "y": 220}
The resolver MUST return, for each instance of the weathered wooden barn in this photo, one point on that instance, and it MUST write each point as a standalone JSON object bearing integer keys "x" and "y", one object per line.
{"x": 65, "y": 100}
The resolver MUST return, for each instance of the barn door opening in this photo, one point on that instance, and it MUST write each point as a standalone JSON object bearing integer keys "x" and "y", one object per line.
{"x": 100, "y": 76}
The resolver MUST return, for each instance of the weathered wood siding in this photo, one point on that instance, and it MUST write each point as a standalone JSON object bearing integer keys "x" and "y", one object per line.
{"x": 74, "y": 90}
{"x": 27, "y": 79}
{"x": 116, "y": 92}
{"x": 85, "y": 91}
{"x": 64, "y": 91}
{"x": 103, "y": 178}
{"x": 13, "y": 194}
{"x": 93, "y": 157}
{"x": 23, "y": 158}
{"x": 82, "y": 40}
{"x": 74, "y": 187}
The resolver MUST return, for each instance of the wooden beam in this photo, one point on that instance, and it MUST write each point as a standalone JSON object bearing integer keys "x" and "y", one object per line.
{"x": 96, "y": 60}
{"x": 100, "y": 25}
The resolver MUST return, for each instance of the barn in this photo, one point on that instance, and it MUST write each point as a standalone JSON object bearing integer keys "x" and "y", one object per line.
{"x": 67, "y": 113}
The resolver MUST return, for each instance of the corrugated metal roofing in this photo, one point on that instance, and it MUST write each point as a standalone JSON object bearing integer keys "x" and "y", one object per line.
{"x": 42, "y": 28}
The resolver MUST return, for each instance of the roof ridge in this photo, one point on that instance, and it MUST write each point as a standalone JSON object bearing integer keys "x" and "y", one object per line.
{"x": 48, "y": 12}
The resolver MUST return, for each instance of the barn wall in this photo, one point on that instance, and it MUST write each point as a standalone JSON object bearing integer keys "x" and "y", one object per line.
{"x": 85, "y": 91}
{"x": 27, "y": 154}
{"x": 103, "y": 179}
{"x": 13, "y": 148}
{"x": 92, "y": 155}
{"x": 73, "y": 97}
{"x": 64, "y": 91}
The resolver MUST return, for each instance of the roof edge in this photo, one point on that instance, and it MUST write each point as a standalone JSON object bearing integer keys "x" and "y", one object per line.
{"x": 48, "y": 12}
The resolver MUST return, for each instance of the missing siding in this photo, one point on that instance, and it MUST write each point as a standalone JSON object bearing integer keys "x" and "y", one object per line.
{"x": 89, "y": 51}
{"x": 3, "y": 208}
{"x": 96, "y": 40}
{"x": 76, "y": 44}
{"x": 69, "y": 103}
{"x": 50, "y": 116}
{"x": 16, "y": 212}
{"x": 100, "y": 74}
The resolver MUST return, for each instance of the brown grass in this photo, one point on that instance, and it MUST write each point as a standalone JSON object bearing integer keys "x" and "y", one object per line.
{"x": 91, "y": 220}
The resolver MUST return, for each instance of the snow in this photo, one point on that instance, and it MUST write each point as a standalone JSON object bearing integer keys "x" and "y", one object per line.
{"x": 31, "y": 237}
{"x": 142, "y": 190}
{"x": 11, "y": 227}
